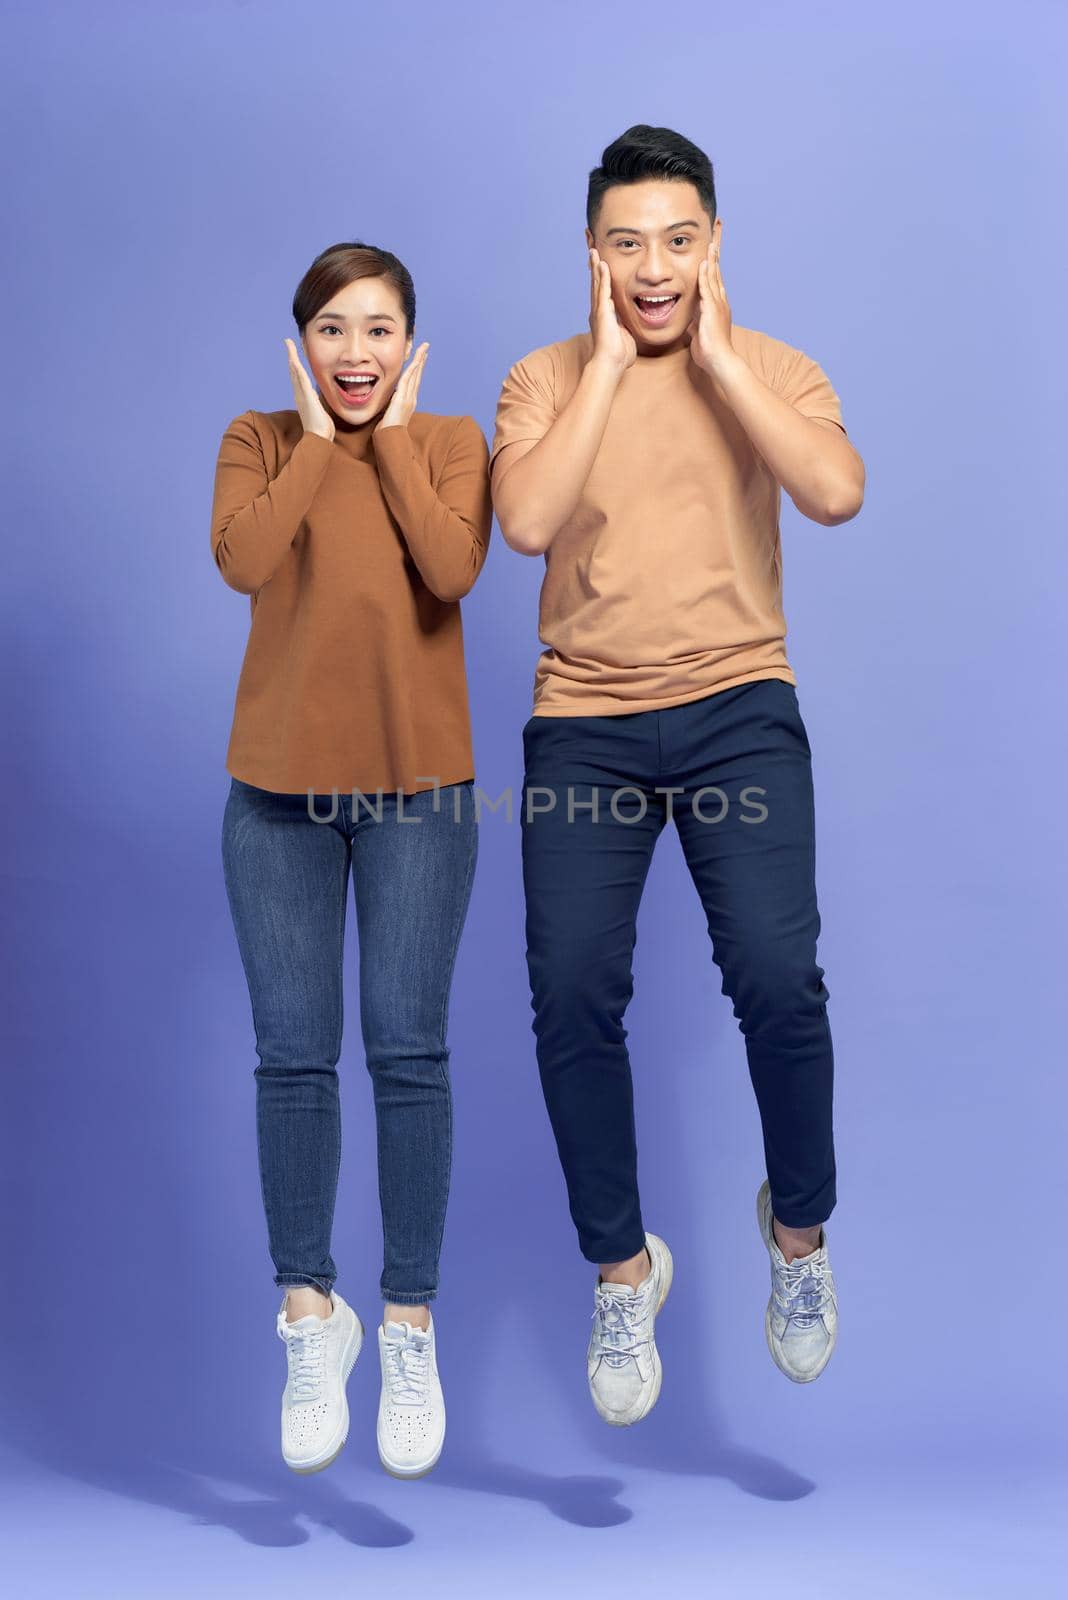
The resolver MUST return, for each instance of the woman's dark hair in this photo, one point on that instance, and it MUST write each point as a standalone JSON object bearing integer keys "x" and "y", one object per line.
{"x": 341, "y": 264}
{"x": 645, "y": 152}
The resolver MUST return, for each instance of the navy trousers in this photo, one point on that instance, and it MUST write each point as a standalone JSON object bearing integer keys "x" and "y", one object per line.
{"x": 733, "y": 771}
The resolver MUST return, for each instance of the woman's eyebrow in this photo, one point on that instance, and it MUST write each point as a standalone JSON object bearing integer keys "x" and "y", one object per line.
{"x": 370, "y": 316}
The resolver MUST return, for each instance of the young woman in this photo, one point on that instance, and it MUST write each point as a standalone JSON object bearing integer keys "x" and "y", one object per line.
{"x": 355, "y": 524}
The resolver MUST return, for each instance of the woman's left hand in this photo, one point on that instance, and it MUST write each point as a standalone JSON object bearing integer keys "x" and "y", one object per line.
{"x": 402, "y": 400}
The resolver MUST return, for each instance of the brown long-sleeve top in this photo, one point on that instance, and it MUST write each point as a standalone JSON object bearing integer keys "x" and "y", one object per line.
{"x": 355, "y": 553}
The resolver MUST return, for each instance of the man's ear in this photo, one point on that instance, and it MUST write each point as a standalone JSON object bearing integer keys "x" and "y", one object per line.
{"x": 589, "y": 240}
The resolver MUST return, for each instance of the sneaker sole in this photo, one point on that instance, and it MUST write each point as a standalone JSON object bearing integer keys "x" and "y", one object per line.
{"x": 410, "y": 1472}
{"x": 658, "y": 1370}
{"x": 336, "y": 1445}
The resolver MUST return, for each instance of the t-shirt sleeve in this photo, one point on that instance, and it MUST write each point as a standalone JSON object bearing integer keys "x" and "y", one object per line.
{"x": 803, "y": 382}
{"x": 526, "y": 408}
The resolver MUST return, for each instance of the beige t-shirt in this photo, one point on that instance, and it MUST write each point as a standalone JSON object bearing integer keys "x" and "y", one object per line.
{"x": 665, "y": 584}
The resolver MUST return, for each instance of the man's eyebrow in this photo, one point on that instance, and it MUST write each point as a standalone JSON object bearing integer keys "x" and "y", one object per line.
{"x": 371, "y": 316}
{"x": 675, "y": 226}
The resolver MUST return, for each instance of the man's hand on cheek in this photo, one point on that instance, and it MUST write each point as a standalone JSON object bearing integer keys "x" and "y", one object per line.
{"x": 710, "y": 326}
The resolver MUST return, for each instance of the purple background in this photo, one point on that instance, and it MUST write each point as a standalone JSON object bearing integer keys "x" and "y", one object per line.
{"x": 892, "y": 195}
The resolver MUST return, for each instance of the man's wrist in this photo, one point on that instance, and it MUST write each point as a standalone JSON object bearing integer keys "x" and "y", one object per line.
{"x": 604, "y": 368}
{"x": 723, "y": 368}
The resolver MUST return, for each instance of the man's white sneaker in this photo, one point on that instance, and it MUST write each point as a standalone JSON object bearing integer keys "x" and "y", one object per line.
{"x": 320, "y": 1354}
{"x": 411, "y": 1408}
{"x": 622, "y": 1362}
{"x": 801, "y": 1320}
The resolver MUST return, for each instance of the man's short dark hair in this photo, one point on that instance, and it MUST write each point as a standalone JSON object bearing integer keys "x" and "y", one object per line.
{"x": 644, "y": 152}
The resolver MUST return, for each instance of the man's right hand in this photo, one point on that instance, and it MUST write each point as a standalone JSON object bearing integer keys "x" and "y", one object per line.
{"x": 313, "y": 413}
{"x": 613, "y": 346}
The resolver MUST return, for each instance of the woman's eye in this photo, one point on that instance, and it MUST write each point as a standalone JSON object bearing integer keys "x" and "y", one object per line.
{"x": 332, "y": 327}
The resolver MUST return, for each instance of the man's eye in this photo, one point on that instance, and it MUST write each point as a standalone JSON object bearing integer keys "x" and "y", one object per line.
{"x": 682, "y": 238}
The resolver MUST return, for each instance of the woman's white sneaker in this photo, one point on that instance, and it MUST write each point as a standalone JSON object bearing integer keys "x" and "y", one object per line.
{"x": 411, "y": 1409}
{"x": 801, "y": 1320}
{"x": 622, "y": 1363}
{"x": 320, "y": 1354}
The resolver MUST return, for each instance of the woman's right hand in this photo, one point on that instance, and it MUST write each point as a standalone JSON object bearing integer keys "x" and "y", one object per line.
{"x": 613, "y": 344}
{"x": 313, "y": 413}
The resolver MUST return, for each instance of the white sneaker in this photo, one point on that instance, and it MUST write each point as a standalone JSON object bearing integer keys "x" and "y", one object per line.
{"x": 320, "y": 1353}
{"x": 411, "y": 1409}
{"x": 622, "y": 1362}
{"x": 801, "y": 1320}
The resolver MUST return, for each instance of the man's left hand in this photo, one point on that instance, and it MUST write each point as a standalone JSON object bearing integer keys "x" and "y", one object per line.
{"x": 710, "y": 326}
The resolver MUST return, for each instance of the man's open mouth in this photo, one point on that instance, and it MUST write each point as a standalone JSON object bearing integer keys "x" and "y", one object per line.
{"x": 656, "y": 308}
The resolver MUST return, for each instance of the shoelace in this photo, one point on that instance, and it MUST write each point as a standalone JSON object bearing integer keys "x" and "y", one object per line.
{"x": 616, "y": 1316}
{"x": 803, "y": 1290}
{"x": 407, "y": 1368}
{"x": 305, "y": 1350}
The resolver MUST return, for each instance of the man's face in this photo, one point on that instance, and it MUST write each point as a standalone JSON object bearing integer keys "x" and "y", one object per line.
{"x": 654, "y": 235}
{"x": 359, "y": 330}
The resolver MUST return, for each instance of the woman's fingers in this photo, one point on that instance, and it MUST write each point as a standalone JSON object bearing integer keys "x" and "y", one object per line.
{"x": 403, "y": 399}
{"x": 412, "y": 373}
{"x": 296, "y": 366}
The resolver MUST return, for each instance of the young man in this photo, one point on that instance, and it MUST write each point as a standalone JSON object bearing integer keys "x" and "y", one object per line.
{"x": 644, "y": 460}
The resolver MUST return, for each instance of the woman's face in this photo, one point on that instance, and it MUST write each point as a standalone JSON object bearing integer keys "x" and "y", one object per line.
{"x": 360, "y": 331}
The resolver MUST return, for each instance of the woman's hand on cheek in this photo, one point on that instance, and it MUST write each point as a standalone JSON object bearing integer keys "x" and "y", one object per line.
{"x": 313, "y": 414}
{"x": 403, "y": 399}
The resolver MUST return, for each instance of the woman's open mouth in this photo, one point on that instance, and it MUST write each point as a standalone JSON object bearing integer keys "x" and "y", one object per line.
{"x": 356, "y": 391}
{"x": 655, "y": 309}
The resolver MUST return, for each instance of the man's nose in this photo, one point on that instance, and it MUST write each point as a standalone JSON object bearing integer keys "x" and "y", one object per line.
{"x": 656, "y": 267}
